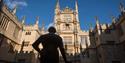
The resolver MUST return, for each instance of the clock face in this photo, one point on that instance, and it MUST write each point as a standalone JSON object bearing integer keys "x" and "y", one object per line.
{"x": 67, "y": 22}
{"x": 67, "y": 18}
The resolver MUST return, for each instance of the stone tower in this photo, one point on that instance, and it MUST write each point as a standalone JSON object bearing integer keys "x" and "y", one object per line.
{"x": 67, "y": 24}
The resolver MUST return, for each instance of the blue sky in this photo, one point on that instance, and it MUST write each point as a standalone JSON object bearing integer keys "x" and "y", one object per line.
{"x": 88, "y": 9}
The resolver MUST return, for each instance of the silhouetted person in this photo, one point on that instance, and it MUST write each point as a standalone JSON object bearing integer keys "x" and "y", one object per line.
{"x": 50, "y": 42}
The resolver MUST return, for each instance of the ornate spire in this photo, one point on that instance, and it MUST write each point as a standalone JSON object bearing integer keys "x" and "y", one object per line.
{"x": 90, "y": 25}
{"x": 122, "y": 7}
{"x": 23, "y": 19}
{"x": 98, "y": 25}
{"x": 57, "y": 9}
{"x": 76, "y": 10}
{"x": 14, "y": 10}
{"x": 57, "y": 4}
{"x": 76, "y": 6}
{"x": 97, "y": 21}
{"x": 37, "y": 20}
{"x": 113, "y": 22}
{"x": 43, "y": 24}
{"x": 113, "y": 19}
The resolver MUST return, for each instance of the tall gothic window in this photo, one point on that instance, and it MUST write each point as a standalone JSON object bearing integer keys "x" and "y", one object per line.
{"x": 67, "y": 40}
{"x": 4, "y": 23}
{"x": 84, "y": 40}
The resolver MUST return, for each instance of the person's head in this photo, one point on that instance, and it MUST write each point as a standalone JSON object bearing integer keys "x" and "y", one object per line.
{"x": 52, "y": 29}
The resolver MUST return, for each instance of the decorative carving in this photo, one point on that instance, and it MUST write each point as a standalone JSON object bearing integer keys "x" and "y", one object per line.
{"x": 67, "y": 10}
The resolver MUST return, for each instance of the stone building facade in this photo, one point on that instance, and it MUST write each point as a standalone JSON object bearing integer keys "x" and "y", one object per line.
{"x": 67, "y": 24}
{"x": 10, "y": 33}
{"x": 103, "y": 44}
{"x": 15, "y": 45}
{"x": 29, "y": 34}
{"x": 107, "y": 41}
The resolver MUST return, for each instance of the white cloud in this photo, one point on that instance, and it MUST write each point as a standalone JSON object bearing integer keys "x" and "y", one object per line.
{"x": 13, "y": 3}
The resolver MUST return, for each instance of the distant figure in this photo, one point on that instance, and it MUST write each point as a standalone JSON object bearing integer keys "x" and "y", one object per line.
{"x": 50, "y": 42}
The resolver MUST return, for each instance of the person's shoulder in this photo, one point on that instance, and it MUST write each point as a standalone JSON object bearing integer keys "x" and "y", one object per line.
{"x": 58, "y": 36}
